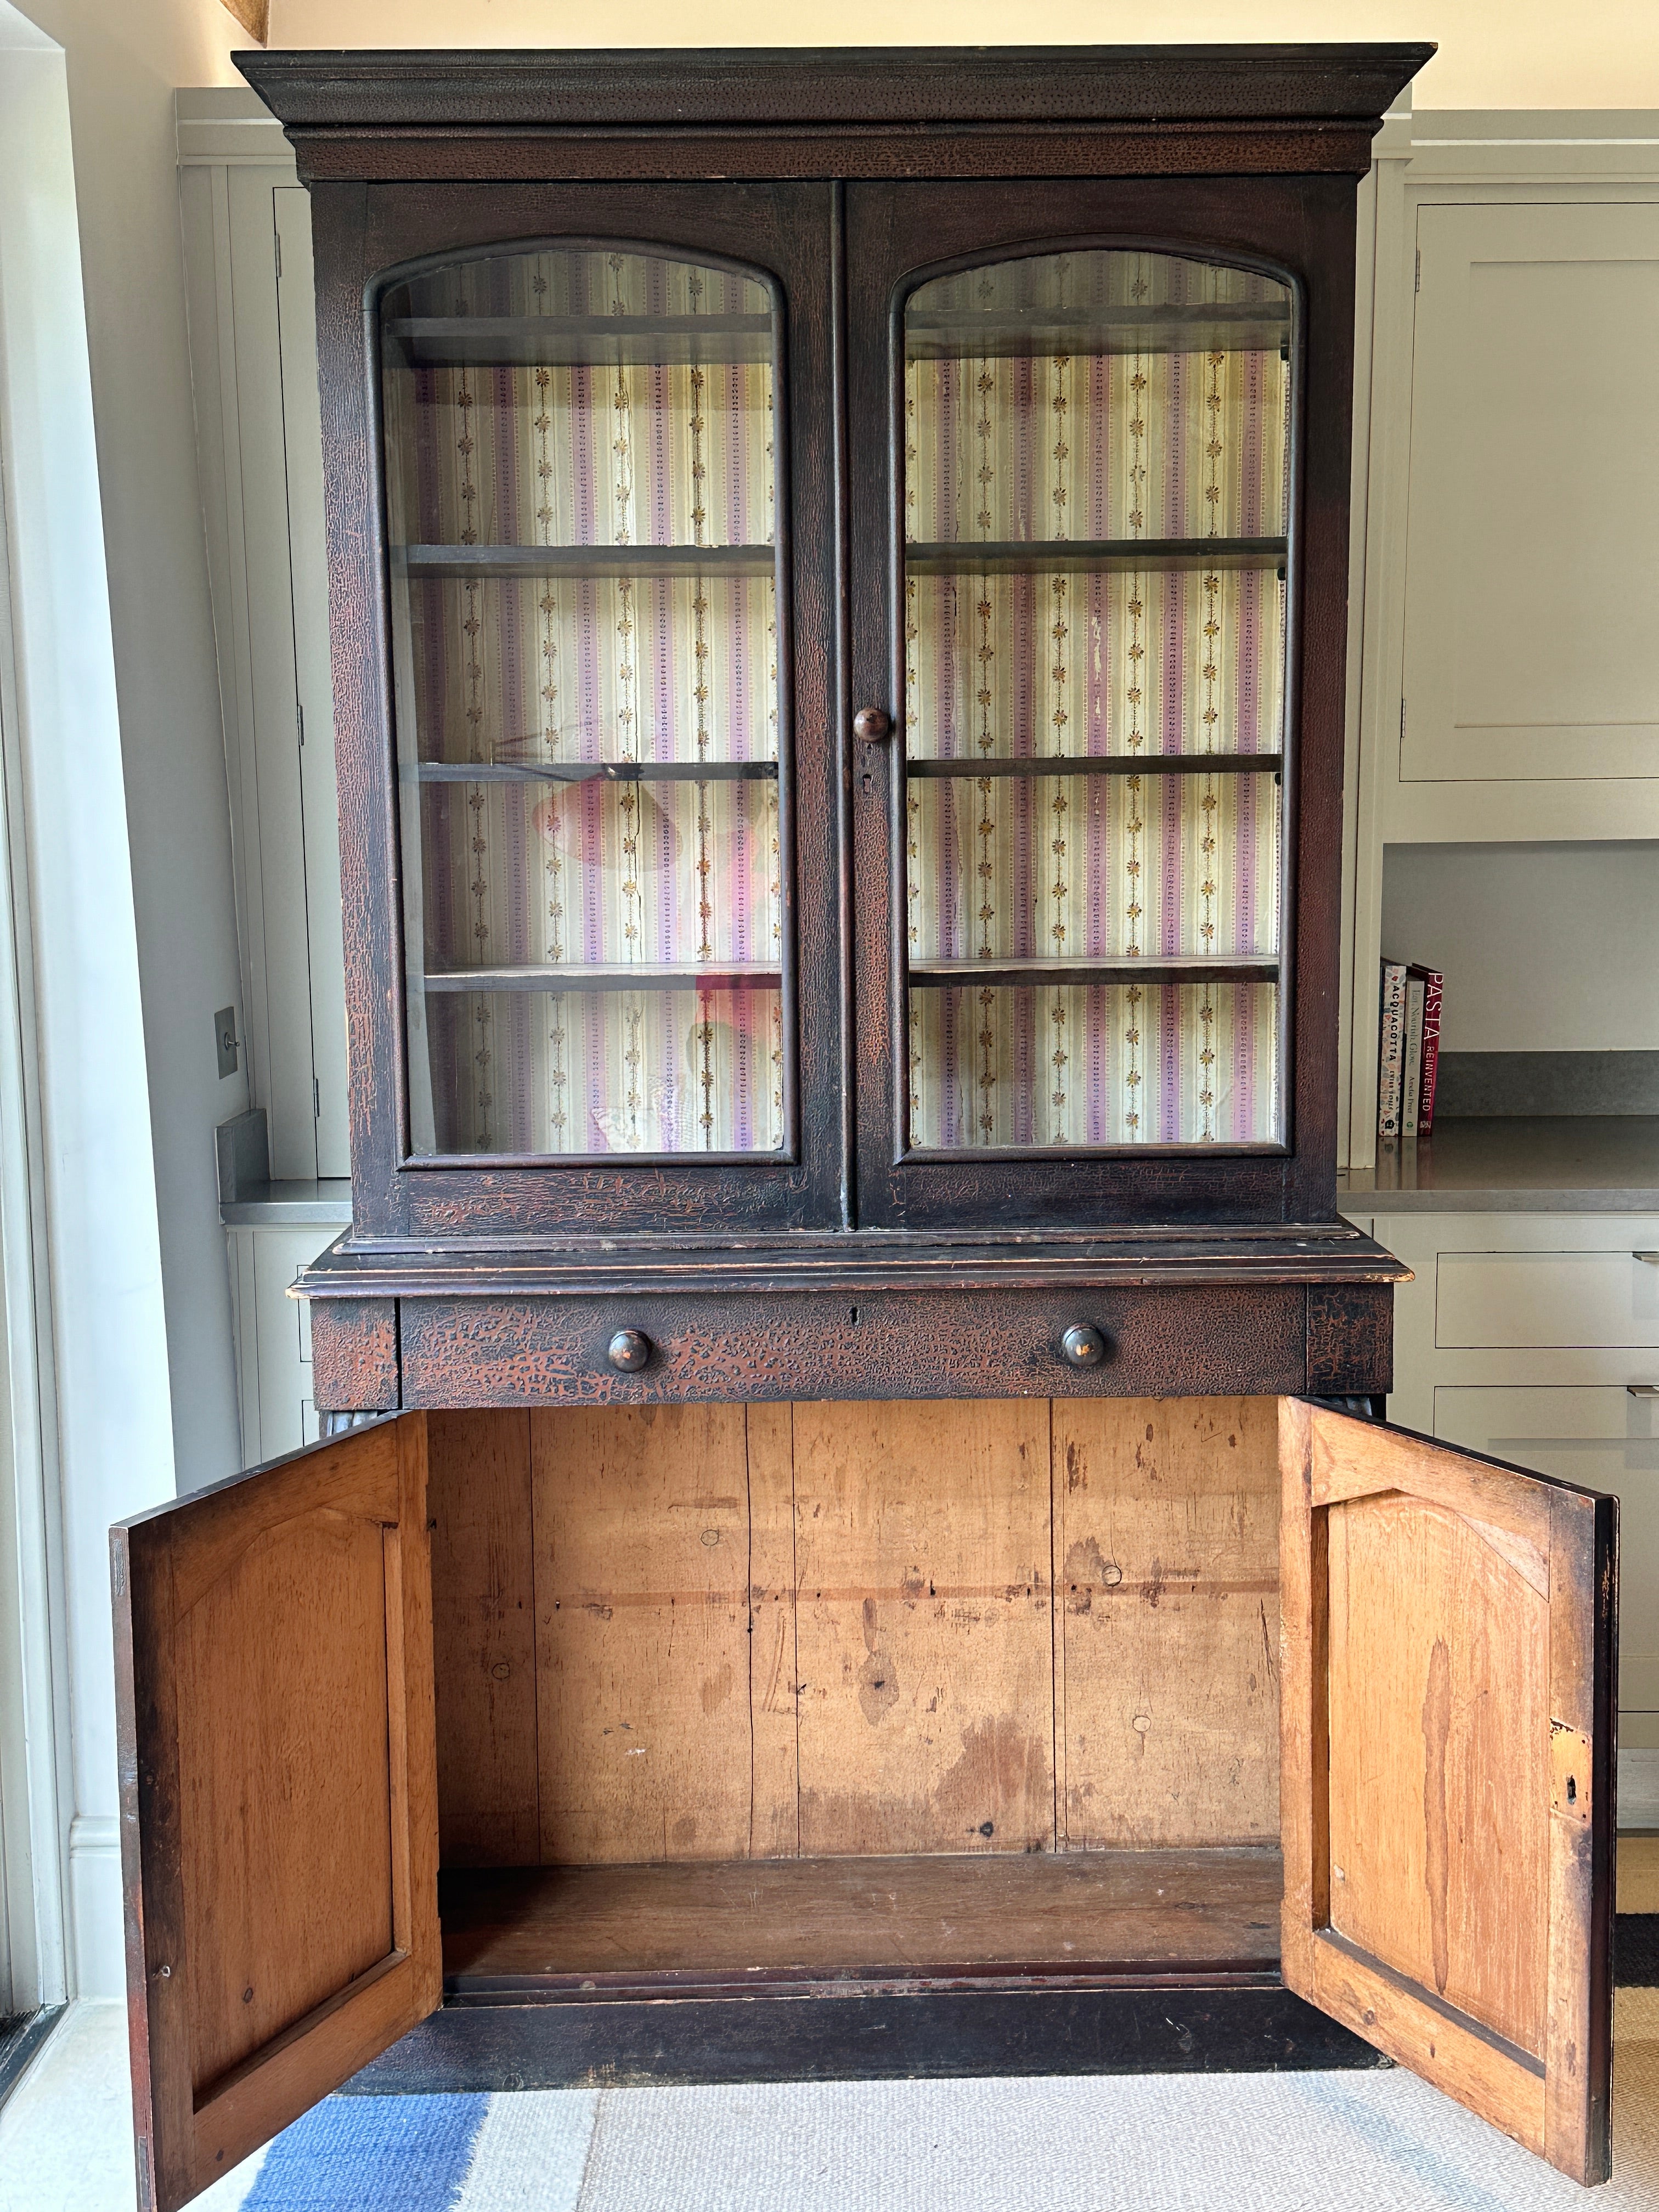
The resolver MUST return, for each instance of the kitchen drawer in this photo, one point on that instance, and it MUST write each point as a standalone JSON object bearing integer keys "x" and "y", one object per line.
{"x": 1601, "y": 1437}
{"x": 1517, "y": 1301}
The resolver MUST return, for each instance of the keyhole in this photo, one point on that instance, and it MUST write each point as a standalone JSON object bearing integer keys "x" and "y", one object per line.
{"x": 869, "y": 785}
{"x": 1572, "y": 1789}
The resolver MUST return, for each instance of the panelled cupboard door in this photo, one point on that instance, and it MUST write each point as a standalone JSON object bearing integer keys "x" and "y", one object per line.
{"x": 279, "y": 1831}
{"x": 1449, "y": 1646}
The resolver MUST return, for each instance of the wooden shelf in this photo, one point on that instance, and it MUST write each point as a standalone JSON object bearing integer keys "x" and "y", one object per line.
{"x": 449, "y": 562}
{"x": 1238, "y": 325}
{"x": 958, "y": 975}
{"x": 576, "y": 341}
{"x": 723, "y": 771}
{"x": 1071, "y": 556}
{"x": 640, "y": 976}
{"x": 1063, "y": 764}
{"x": 1078, "y": 1914}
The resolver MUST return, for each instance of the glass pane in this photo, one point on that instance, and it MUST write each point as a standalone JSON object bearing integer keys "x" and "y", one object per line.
{"x": 581, "y": 498}
{"x": 1097, "y": 471}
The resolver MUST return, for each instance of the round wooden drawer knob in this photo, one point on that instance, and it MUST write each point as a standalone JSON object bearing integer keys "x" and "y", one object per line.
{"x": 630, "y": 1349}
{"x": 872, "y": 724}
{"x": 1083, "y": 1346}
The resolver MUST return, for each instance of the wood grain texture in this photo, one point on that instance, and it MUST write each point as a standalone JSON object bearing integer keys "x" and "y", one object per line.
{"x": 1215, "y": 1341}
{"x": 353, "y": 1355}
{"x": 774, "y": 1665}
{"x": 642, "y": 1537}
{"x": 267, "y": 1939}
{"x": 1475, "y": 2070}
{"x": 483, "y": 1613}
{"x": 922, "y": 1556}
{"x": 1350, "y": 1339}
{"x": 1166, "y": 1545}
{"x": 1440, "y": 1747}
{"x": 1447, "y": 1758}
{"x": 868, "y": 87}
{"x": 917, "y": 112}
{"x": 279, "y": 1798}
{"x": 1583, "y": 1667}
{"x": 890, "y": 1918}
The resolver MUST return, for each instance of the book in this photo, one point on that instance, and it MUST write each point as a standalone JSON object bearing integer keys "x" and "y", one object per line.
{"x": 1411, "y": 1070}
{"x": 1391, "y": 1048}
{"x": 1433, "y": 989}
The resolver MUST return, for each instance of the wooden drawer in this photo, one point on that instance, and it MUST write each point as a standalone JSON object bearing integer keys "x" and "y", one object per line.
{"x": 1605, "y": 1439}
{"x": 1217, "y": 1341}
{"x": 1519, "y": 1301}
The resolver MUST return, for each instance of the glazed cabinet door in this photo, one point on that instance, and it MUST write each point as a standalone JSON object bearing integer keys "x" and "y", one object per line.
{"x": 1450, "y": 1629}
{"x": 279, "y": 1836}
{"x": 1099, "y": 467}
{"x": 589, "y": 776}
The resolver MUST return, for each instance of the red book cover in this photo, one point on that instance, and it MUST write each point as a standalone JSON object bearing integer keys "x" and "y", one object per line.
{"x": 1433, "y": 987}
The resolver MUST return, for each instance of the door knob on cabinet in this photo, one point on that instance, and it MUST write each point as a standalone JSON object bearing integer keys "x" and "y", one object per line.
{"x": 629, "y": 1350}
{"x": 872, "y": 724}
{"x": 1083, "y": 1346}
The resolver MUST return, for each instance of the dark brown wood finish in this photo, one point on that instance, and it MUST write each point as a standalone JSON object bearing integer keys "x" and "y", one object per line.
{"x": 1300, "y": 230}
{"x": 364, "y": 237}
{"x": 1231, "y": 1340}
{"x": 354, "y": 1357}
{"x": 887, "y": 111}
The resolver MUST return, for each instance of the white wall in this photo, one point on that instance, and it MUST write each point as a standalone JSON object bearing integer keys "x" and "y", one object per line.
{"x": 1545, "y": 948}
{"x": 1493, "y": 53}
{"x": 123, "y": 785}
{"x": 124, "y": 60}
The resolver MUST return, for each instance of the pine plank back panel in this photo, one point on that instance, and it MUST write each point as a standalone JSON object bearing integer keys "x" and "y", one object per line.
{"x": 641, "y": 1570}
{"x": 1057, "y": 1617}
{"x": 1166, "y": 1621}
{"x": 485, "y": 1628}
{"x": 924, "y": 1638}
{"x": 1449, "y": 1644}
{"x": 282, "y": 1907}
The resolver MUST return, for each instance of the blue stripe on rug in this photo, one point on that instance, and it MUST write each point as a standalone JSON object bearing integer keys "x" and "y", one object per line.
{"x": 371, "y": 2155}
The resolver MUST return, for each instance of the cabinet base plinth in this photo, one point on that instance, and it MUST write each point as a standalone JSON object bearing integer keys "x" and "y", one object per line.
{"x": 922, "y": 2035}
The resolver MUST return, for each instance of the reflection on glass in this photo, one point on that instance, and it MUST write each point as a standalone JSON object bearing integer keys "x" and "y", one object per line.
{"x": 1097, "y": 471}
{"x": 582, "y": 508}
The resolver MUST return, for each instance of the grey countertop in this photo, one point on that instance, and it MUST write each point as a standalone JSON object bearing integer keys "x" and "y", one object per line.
{"x": 290, "y": 1205}
{"x": 1565, "y": 1164}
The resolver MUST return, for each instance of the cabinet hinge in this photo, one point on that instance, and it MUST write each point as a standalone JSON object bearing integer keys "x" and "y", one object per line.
{"x": 316, "y": 1100}
{"x": 299, "y": 717}
{"x": 1416, "y": 286}
{"x": 279, "y": 256}
{"x": 1402, "y": 721}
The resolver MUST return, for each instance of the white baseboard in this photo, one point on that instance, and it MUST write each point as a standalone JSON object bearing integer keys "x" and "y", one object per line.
{"x": 1638, "y": 1789}
{"x": 99, "y": 1964}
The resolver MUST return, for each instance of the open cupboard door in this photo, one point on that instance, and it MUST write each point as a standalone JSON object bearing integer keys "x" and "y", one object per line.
{"x": 1449, "y": 1628}
{"x": 279, "y": 1833}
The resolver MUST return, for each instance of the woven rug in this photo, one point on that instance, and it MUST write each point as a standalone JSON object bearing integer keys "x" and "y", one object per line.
{"x": 1258, "y": 2142}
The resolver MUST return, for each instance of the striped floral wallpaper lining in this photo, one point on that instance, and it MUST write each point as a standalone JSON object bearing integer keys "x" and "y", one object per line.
{"x": 1088, "y": 427}
{"x": 572, "y": 667}
{"x": 1008, "y": 448}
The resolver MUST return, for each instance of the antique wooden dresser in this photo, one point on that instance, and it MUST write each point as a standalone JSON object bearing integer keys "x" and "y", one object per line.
{"x": 851, "y": 1540}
